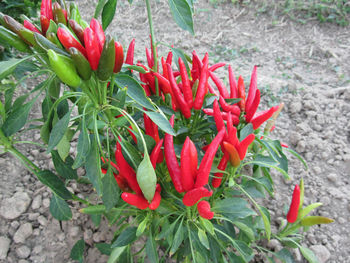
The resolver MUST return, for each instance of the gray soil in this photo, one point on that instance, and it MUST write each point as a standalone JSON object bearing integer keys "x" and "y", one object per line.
{"x": 305, "y": 66}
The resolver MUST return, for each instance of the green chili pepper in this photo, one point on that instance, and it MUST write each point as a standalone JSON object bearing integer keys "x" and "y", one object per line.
{"x": 81, "y": 63}
{"x": 64, "y": 69}
{"x": 13, "y": 40}
{"x": 75, "y": 15}
{"x": 58, "y": 14}
{"x": 27, "y": 36}
{"x": 53, "y": 38}
{"x": 315, "y": 220}
{"x": 107, "y": 59}
{"x": 46, "y": 44}
{"x": 52, "y": 27}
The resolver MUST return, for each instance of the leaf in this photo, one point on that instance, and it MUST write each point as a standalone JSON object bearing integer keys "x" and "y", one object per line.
{"x": 104, "y": 248}
{"x": 248, "y": 129}
{"x": 8, "y": 66}
{"x": 93, "y": 166}
{"x": 142, "y": 226}
{"x": 245, "y": 229}
{"x": 63, "y": 146}
{"x": 108, "y": 13}
{"x": 64, "y": 169}
{"x": 178, "y": 238}
{"x": 285, "y": 256}
{"x": 146, "y": 178}
{"x": 233, "y": 208}
{"x": 267, "y": 161}
{"x": 305, "y": 211}
{"x": 116, "y": 253}
{"x": 99, "y": 8}
{"x": 151, "y": 249}
{"x": 134, "y": 90}
{"x": 17, "y": 119}
{"x": 161, "y": 122}
{"x": 83, "y": 146}
{"x": 299, "y": 157}
{"x": 136, "y": 68}
{"x": 58, "y": 131}
{"x": 54, "y": 183}
{"x": 182, "y": 14}
{"x": 96, "y": 219}
{"x": 308, "y": 254}
{"x": 178, "y": 53}
{"x": 207, "y": 225}
{"x": 203, "y": 238}
{"x": 59, "y": 209}
{"x": 77, "y": 252}
{"x": 126, "y": 237}
{"x": 110, "y": 193}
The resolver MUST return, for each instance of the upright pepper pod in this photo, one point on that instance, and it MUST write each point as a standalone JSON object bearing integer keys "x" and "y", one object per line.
{"x": 233, "y": 153}
{"x": 53, "y": 38}
{"x": 253, "y": 87}
{"x": 81, "y": 63}
{"x": 98, "y": 30}
{"x": 130, "y": 53}
{"x": 92, "y": 48}
{"x": 218, "y": 176}
{"x": 45, "y": 15}
{"x": 189, "y": 162}
{"x": 202, "y": 85}
{"x": 107, "y": 59}
{"x": 186, "y": 89}
{"x": 77, "y": 29}
{"x": 204, "y": 211}
{"x": 64, "y": 69}
{"x": 69, "y": 41}
{"x": 294, "y": 205}
{"x": 241, "y": 93}
{"x": 220, "y": 85}
{"x": 119, "y": 57}
{"x": 58, "y": 15}
{"x": 46, "y": 44}
{"x": 27, "y": 24}
{"x": 233, "y": 83}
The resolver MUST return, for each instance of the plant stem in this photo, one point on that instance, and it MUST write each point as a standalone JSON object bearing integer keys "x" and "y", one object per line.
{"x": 154, "y": 48}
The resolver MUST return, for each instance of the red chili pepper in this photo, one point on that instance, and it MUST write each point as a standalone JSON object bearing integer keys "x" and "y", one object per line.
{"x": 186, "y": 89}
{"x": 227, "y": 107}
{"x": 232, "y": 133}
{"x": 69, "y": 41}
{"x": 130, "y": 130}
{"x": 156, "y": 153}
{"x": 233, "y": 83}
{"x": 164, "y": 84}
{"x": 99, "y": 33}
{"x": 46, "y": 9}
{"x": 252, "y": 88}
{"x": 130, "y": 54}
{"x": 243, "y": 145}
{"x": 135, "y": 200}
{"x": 262, "y": 116}
{"x": 225, "y": 115}
{"x": 169, "y": 58}
{"x": 151, "y": 128}
{"x": 27, "y": 24}
{"x": 153, "y": 59}
{"x": 126, "y": 171}
{"x": 45, "y": 23}
{"x": 119, "y": 57}
{"x": 294, "y": 206}
{"x": 233, "y": 153}
{"x": 241, "y": 93}
{"x": 202, "y": 85}
{"x": 218, "y": 176}
{"x": 196, "y": 66}
{"x": 77, "y": 29}
{"x": 149, "y": 57}
{"x": 185, "y": 109}
{"x": 251, "y": 109}
{"x": 194, "y": 195}
{"x": 212, "y": 90}
{"x": 220, "y": 85}
{"x": 216, "y": 66}
{"x": 207, "y": 161}
{"x": 189, "y": 163}
{"x": 219, "y": 121}
{"x": 92, "y": 48}
{"x": 156, "y": 201}
{"x": 171, "y": 161}
{"x": 203, "y": 208}
{"x": 145, "y": 86}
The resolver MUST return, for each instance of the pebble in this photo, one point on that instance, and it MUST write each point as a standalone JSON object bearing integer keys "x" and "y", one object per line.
{"x": 23, "y": 232}
{"x": 23, "y": 261}
{"x": 36, "y": 202}
{"x": 37, "y": 249}
{"x": 42, "y": 220}
{"x": 15, "y": 224}
{"x": 332, "y": 177}
{"x": 33, "y": 216}
{"x": 23, "y": 251}
{"x": 321, "y": 253}
{"x": 46, "y": 202}
{"x": 14, "y": 206}
{"x": 4, "y": 247}
{"x": 74, "y": 231}
{"x": 295, "y": 107}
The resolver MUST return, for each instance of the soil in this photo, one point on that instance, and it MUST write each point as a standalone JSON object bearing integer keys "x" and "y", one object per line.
{"x": 306, "y": 66}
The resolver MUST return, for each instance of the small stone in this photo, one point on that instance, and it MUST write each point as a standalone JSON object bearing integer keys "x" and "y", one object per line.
{"x": 23, "y": 232}
{"x": 23, "y": 261}
{"x": 74, "y": 231}
{"x": 274, "y": 244}
{"x": 15, "y": 224}
{"x": 321, "y": 253}
{"x": 88, "y": 234}
{"x": 295, "y": 107}
{"x": 36, "y": 202}
{"x": 61, "y": 236}
{"x": 4, "y": 247}
{"x": 35, "y": 153}
{"x": 332, "y": 177}
{"x": 46, "y": 202}
{"x": 23, "y": 251}
{"x": 341, "y": 220}
{"x": 14, "y": 206}
{"x": 36, "y": 232}
{"x": 42, "y": 220}
{"x": 33, "y": 216}
{"x": 37, "y": 250}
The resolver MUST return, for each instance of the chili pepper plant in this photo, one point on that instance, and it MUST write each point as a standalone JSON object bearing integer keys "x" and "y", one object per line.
{"x": 177, "y": 159}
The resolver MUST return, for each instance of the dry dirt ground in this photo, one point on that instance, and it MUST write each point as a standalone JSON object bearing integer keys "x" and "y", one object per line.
{"x": 305, "y": 66}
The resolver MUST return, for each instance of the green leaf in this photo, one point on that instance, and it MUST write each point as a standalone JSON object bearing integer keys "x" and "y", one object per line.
{"x": 267, "y": 161}
{"x": 135, "y": 91}
{"x": 285, "y": 256}
{"x": 63, "y": 146}
{"x": 104, "y": 248}
{"x": 93, "y": 166}
{"x": 207, "y": 225}
{"x": 116, "y": 253}
{"x": 17, "y": 119}
{"x": 58, "y": 131}
{"x": 182, "y": 14}
{"x": 299, "y": 157}
{"x": 146, "y": 178}
{"x": 151, "y": 249}
{"x": 8, "y": 66}
{"x": 161, "y": 122}
{"x": 233, "y": 208}
{"x": 248, "y": 129}
{"x": 142, "y": 226}
{"x": 54, "y": 183}
{"x": 245, "y": 229}
{"x": 203, "y": 238}
{"x": 83, "y": 146}
{"x": 77, "y": 252}
{"x": 178, "y": 238}
{"x": 178, "y": 53}
{"x": 305, "y": 211}
{"x": 308, "y": 254}
{"x": 110, "y": 193}
{"x": 64, "y": 169}
{"x": 60, "y": 209}
{"x": 108, "y": 13}
{"x": 136, "y": 68}
{"x": 96, "y": 219}
{"x": 99, "y": 8}
{"x": 126, "y": 237}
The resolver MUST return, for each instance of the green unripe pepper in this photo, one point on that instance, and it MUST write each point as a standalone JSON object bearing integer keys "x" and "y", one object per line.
{"x": 107, "y": 59}
{"x": 53, "y": 38}
{"x": 13, "y": 40}
{"x": 46, "y": 44}
{"x": 81, "y": 63}
{"x": 64, "y": 69}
